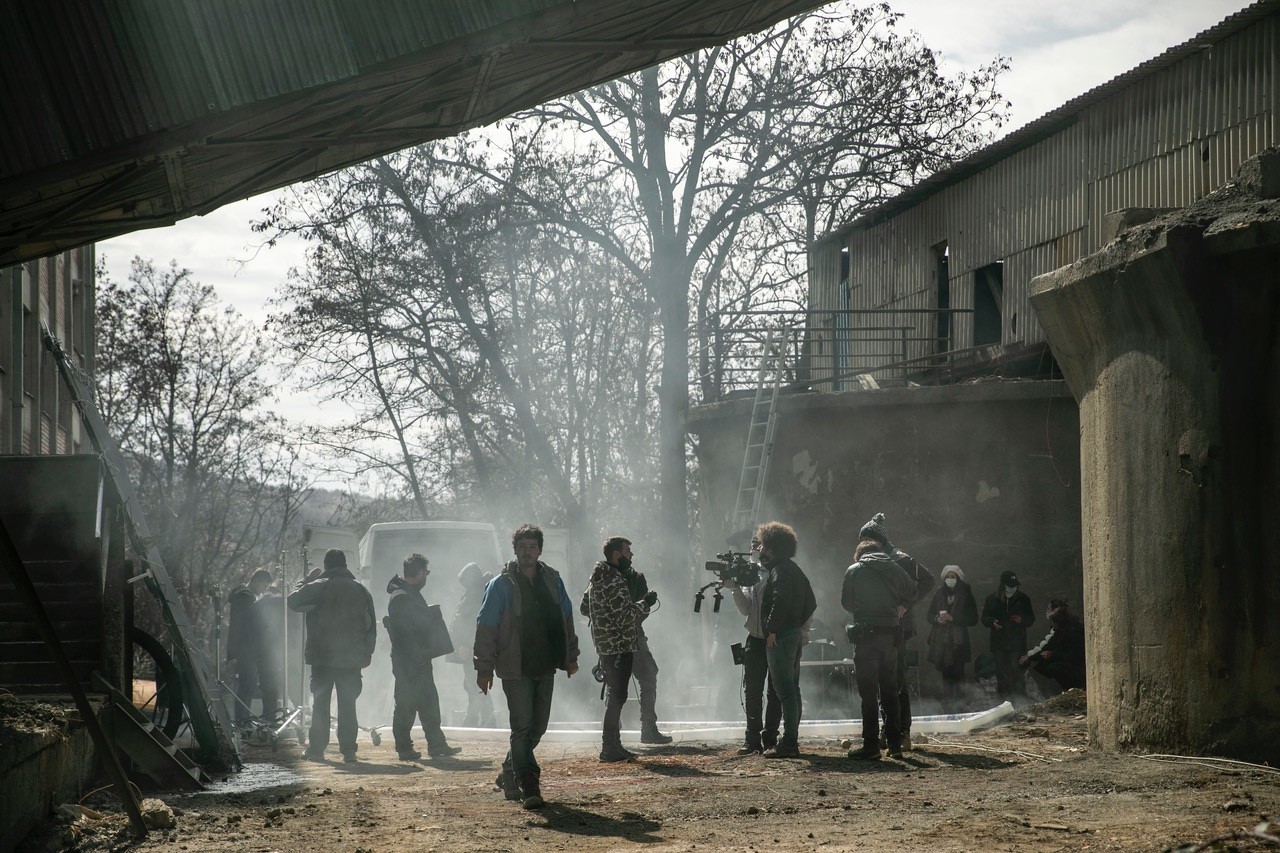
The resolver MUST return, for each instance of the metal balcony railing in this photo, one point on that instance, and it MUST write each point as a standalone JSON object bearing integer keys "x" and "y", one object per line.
{"x": 830, "y": 350}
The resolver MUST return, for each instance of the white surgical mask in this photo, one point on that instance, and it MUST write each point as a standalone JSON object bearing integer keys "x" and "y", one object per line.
{"x": 950, "y": 582}
{"x": 1009, "y": 591}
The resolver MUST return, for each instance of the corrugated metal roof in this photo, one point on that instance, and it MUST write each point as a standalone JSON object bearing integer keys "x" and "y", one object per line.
{"x": 1064, "y": 116}
{"x": 136, "y": 113}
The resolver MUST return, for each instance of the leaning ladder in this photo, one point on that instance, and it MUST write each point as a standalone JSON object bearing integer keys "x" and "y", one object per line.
{"x": 205, "y": 706}
{"x": 755, "y": 459}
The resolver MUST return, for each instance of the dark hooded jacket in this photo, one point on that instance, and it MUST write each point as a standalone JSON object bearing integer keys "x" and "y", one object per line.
{"x": 341, "y": 626}
{"x": 949, "y": 642}
{"x": 244, "y": 631}
{"x": 408, "y": 628}
{"x": 873, "y": 589}
{"x": 921, "y": 580}
{"x": 1012, "y": 636}
{"x": 615, "y": 616}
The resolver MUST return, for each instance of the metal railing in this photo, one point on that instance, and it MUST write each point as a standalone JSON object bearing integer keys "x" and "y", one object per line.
{"x": 835, "y": 350}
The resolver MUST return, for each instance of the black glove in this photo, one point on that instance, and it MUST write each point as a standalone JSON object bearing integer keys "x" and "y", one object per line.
{"x": 651, "y": 598}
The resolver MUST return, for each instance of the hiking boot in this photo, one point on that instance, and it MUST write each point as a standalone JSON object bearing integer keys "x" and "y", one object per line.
{"x": 650, "y": 734}
{"x": 409, "y": 754}
{"x": 530, "y": 793}
{"x": 313, "y": 755}
{"x": 349, "y": 758}
{"x": 750, "y": 749}
{"x": 616, "y": 752}
{"x": 895, "y": 750}
{"x": 784, "y": 749}
{"x": 906, "y": 741}
{"x": 865, "y": 754}
{"x": 442, "y": 750}
{"x": 508, "y": 786}
{"x": 768, "y": 740}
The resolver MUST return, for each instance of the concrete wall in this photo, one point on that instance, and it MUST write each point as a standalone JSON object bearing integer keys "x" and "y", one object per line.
{"x": 39, "y": 772}
{"x": 1170, "y": 340}
{"x": 984, "y": 476}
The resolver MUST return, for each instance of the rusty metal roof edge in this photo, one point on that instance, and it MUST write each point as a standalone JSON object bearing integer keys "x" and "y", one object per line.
{"x": 1055, "y": 120}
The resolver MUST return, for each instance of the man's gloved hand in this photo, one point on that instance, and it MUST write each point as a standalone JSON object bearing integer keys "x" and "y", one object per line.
{"x": 650, "y": 598}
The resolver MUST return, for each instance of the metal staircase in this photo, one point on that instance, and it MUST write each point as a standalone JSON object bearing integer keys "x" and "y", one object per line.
{"x": 145, "y": 744}
{"x": 755, "y": 459}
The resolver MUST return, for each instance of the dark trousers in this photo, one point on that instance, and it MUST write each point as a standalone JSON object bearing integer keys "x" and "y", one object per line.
{"x": 348, "y": 683}
{"x": 952, "y": 682}
{"x": 247, "y": 677}
{"x": 617, "y": 675}
{"x": 784, "y": 672}
{"x": 875, "y": 661}
{"x": 479, "y": 705}
{"x": 904, "y": 691}
{"x": 529, "y": 704}
{"x": 1068, "y": 675}
{"x": 762, "y": 719}
{"x": 269, "y": 684}
{"x": 416, "y": 697}
{"x": 645, "y": 670}
{"x": 1011, "y": 678}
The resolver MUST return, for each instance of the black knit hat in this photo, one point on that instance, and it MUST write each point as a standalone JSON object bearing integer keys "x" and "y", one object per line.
{"x": 1009, "y": 579}
{"x": 874, "y": 529}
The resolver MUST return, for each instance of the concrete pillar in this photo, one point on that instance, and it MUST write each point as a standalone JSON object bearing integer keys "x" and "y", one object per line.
{"x": 1169, "y": 338}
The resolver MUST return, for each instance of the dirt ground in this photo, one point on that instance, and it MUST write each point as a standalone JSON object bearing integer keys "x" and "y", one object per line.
{"x": 1032, "y": 784}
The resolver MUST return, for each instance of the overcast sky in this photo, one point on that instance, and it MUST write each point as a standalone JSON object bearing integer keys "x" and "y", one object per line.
{"x": 1058, "y": 50}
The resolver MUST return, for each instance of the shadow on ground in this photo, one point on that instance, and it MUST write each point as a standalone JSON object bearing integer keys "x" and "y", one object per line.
{"x": 573, "y": 821}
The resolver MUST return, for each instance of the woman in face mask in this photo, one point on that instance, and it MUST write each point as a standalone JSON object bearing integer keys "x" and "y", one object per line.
{"x": 951, "y": 614}
{"x": 1008, "y": 613}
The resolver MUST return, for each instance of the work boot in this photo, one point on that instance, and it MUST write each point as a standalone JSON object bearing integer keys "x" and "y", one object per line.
{"x": 895, "y": 750}
{"x": 313, "y": 754}
{"x": 768, "y": 740}
{"x": 784, "y": 749}
{"x": 615, "y": 751}
{"x": 409, "y": 754}
{"x": 650, "y": 734}
{"x": 906, "y": 741}
{"x": 442, "y": 750}
{"x": 349, "y": 758}
{"x": 750, "y": 749}
{"x": 530, "y": 793}
{"x": 508, "y": 786}
{"x": 867, "y": 753}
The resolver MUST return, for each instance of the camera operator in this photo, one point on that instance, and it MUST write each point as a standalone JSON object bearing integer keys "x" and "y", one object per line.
{"x": 615, "y": 627}
{"x": 762, "y": 729}
{"x": 787, "y": 602}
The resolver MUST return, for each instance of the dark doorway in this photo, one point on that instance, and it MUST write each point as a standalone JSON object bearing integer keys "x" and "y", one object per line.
{"x": 942, "y": 280}
{"x": 988, "y": 296}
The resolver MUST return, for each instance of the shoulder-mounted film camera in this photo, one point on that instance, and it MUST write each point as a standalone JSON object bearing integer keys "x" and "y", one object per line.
{"x": 732, "y": 567}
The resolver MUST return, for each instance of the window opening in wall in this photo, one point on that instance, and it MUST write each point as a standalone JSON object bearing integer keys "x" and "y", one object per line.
{"x": 988, "y": 296}
{"x": 942, "y": 282}
{"x": 842, "y": 324}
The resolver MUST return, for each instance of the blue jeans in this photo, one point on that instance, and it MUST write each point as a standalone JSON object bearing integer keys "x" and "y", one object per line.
{"x": 529, "y": 704}
{"x": 784, "y": 672}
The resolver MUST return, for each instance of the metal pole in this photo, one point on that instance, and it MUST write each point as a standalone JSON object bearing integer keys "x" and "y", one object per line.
{"x": 110, "y": 761}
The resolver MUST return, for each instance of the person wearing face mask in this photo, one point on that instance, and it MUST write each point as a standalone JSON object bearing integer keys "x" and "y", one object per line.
{"x": 415, "y": 689}
{"x": 1008, "y": 613}
{"x": 952, "y": 612}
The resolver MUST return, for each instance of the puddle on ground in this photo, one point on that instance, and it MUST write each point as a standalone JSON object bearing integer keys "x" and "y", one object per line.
{"x": 255, "y": 777}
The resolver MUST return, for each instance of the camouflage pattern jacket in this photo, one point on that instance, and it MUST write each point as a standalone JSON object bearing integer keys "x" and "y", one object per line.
{"x": 615, "y": 618}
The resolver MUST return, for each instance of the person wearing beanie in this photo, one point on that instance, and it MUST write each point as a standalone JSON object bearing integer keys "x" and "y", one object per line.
{"x": 1008, "y": 613}
{"x": 341, "y": 633}
{"x": 463, "y": 628}
{"x": 952, "y": 612}
{"x": 922, "y": 580}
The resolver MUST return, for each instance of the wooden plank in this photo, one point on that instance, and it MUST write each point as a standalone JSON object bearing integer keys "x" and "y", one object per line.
{"x": 13, "y": 674}
{"x": 83, "y": 629}
{"x": 35, "y": 651}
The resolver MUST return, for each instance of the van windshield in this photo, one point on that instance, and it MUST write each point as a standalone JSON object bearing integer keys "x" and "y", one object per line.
{"x": 448, "y": 551}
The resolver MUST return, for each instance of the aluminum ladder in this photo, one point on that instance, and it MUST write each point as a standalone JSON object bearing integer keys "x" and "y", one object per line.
{"x": 759, "y": 449}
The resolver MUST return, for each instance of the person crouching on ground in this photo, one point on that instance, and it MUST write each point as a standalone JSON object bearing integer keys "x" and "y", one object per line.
{"x": 415, "y": 690}
{"x": 615, "y": 623}
{"x": 1060, "y": 655}
{"x": 875, "y": 592}
{"x": 524, "y": 632}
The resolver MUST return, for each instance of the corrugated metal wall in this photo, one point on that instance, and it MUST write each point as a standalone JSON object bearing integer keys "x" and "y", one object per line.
{"x": 1162, "y": 141}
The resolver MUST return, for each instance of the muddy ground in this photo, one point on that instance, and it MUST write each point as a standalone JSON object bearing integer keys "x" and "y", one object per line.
{"x": 1032, "y": 784}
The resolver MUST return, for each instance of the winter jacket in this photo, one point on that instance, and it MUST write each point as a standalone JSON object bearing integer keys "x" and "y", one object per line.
{"x": 407, "y": 626}
{"x": 1065, "y": 641}
{"x": 922, "y": 579}
{"x": 268, "y": 612}
{"x": 1011, "y": 636}
{"x": 462, "y": 627}
{"x": 949, "y": 642}
{"x": 341, "y": 627}
{"x": 615, "y": 616}
{"x": 787, "y": 601}
{"x": 873, "y": 589}
{"x": 496, "y": 649}
{"x": 244, "y": 631}
{"x": 639, "y": 588}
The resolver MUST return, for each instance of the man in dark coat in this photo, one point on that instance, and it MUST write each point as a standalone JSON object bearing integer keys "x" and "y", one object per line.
{"x": 786, "y": 605}
{"x": 341, "y": 633}
{"x": 462, "y": 628}
{"x": 247, "y": 643}
{"x": 415, "y": 694}
{"x": 1008, "y": 613}
{"x": 951, "y": 614}
{"x": 922, "y": 580}
{"x": 1060, "y": 655}
{"x": 269, "y": 613}
{"x": 875, "y": 593}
